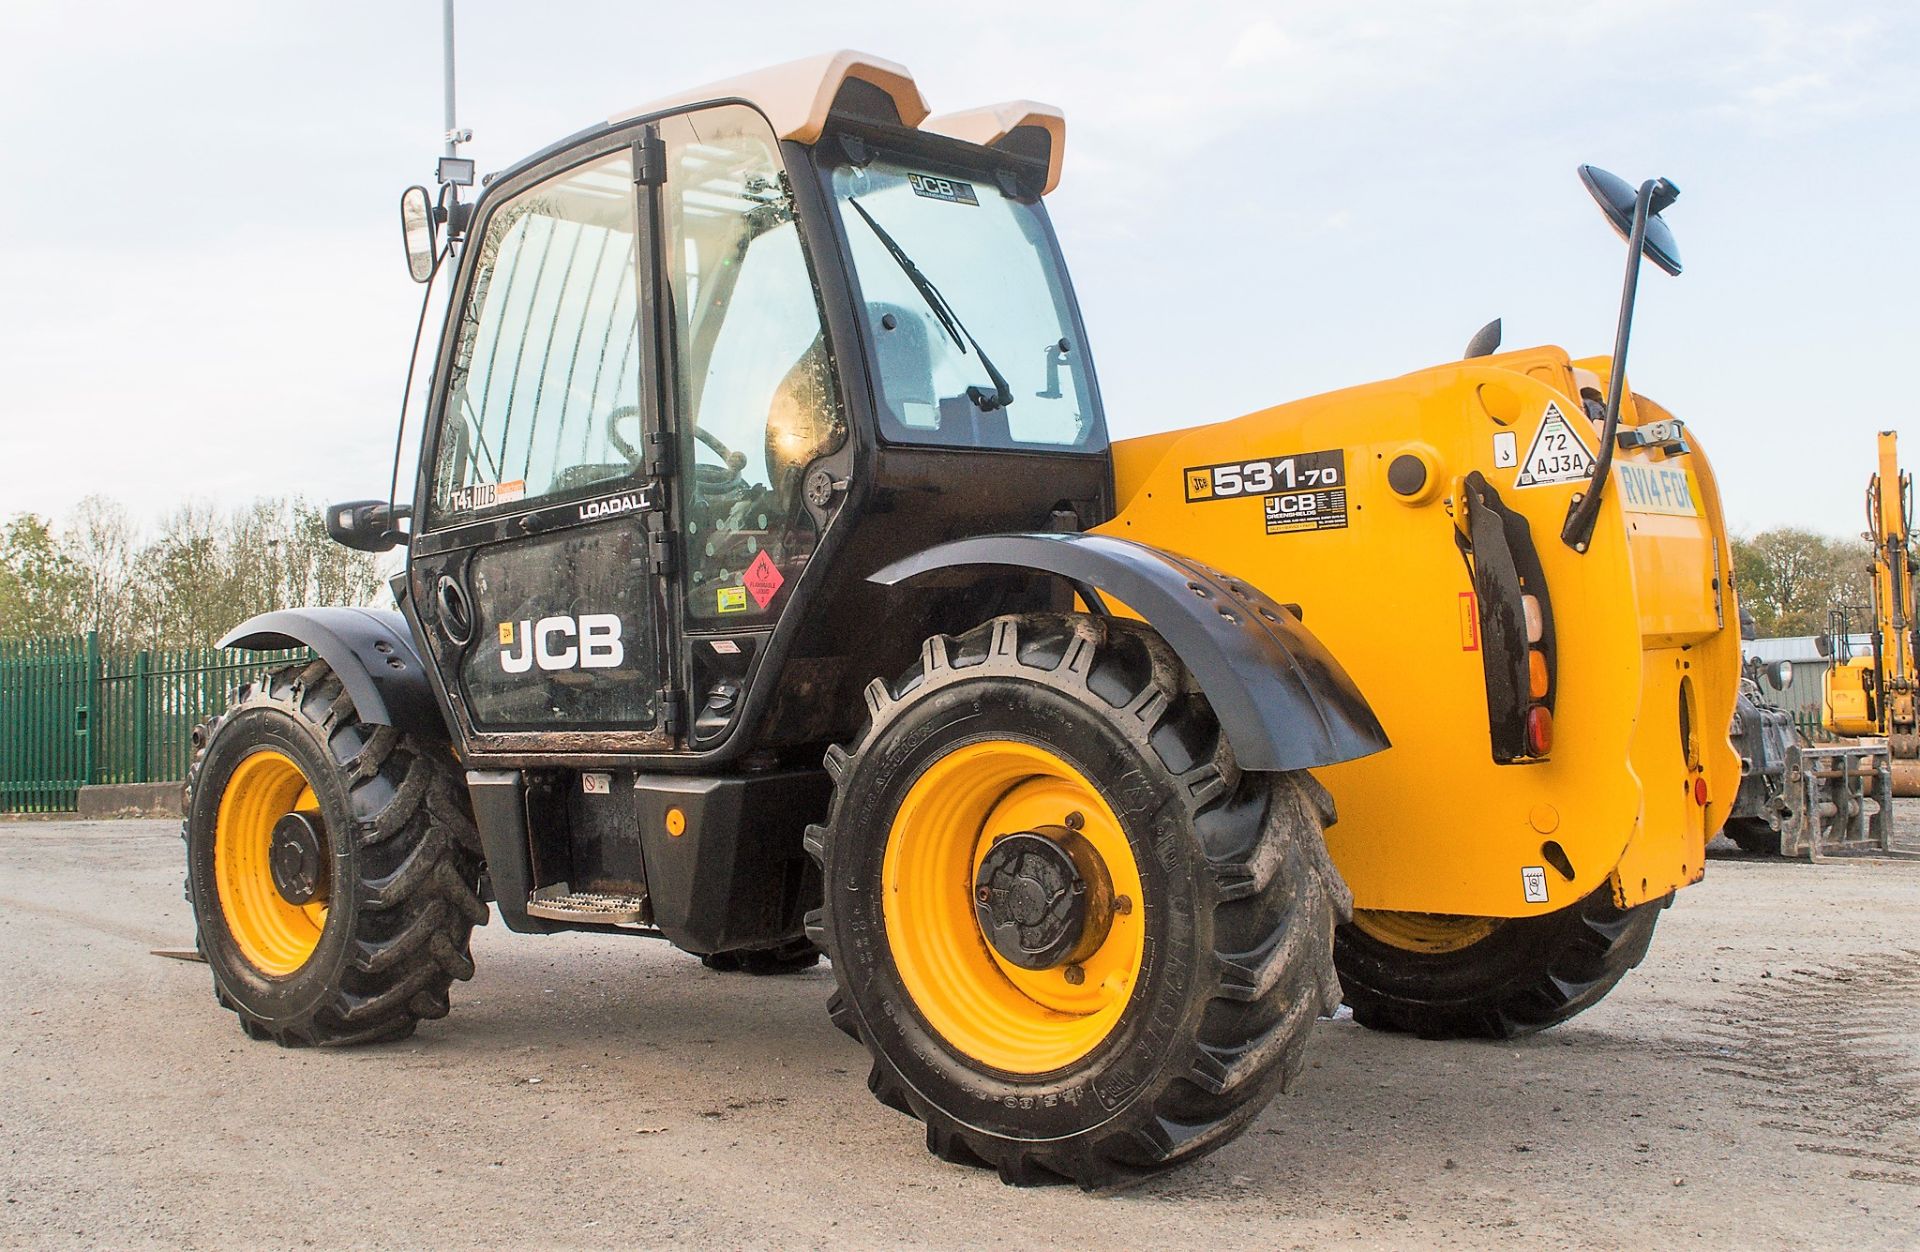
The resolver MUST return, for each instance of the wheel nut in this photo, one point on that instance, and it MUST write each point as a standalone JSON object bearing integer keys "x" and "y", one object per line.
{"x": 1123, "y": 905}
{"x": 1075, "y": 821}
{"x": 1075, "y": 975}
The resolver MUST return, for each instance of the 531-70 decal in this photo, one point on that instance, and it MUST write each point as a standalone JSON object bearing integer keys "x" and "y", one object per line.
{"x": 1302, "y": 491}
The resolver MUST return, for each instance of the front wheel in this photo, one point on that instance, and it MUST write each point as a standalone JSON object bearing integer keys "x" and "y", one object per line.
{"x": 1440, "y": 976}
{"x": 333, "y": 866}
{"x": 1078, "y": 940}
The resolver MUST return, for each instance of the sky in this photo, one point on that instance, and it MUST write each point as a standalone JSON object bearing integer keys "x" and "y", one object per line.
{"x": 203, "y": 294}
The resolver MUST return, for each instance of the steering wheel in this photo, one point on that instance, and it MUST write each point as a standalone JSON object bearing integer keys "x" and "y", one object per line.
{"x": 614, "y": 419}
{"x": 735, "y": 461}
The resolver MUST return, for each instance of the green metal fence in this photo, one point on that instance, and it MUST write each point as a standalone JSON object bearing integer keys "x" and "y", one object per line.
{"x": 71, "y": 716}
{"x": 46, "y": 748}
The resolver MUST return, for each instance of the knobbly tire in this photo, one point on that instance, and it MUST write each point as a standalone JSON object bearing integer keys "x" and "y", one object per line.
{"x": 1526, "y": 975}
{"x": 1239, "y": 904}
{"x": 402, "y": 865}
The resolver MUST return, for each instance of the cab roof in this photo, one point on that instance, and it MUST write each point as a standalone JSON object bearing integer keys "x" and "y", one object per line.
{"x": 796, "y": 98}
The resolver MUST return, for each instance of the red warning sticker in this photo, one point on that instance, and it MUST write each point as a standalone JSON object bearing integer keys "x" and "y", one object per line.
{"x": 763, "y": 579}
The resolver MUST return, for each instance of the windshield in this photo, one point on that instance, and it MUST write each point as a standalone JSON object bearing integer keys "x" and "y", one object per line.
{"x": 990, "y": 260}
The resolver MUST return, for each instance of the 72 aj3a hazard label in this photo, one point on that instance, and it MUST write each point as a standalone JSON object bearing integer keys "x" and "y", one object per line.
{"x": 1556, "y": 455}
{"x": 1301, "y": 491}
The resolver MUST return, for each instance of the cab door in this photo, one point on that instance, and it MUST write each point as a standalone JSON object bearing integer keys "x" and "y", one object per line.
{"x": 536, "y": 572}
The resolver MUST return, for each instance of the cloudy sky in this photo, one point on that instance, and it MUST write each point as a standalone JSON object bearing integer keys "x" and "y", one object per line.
{"x": 202, "y": 293}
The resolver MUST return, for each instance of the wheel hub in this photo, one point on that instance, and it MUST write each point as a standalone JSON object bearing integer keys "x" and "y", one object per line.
{"x": 297, "y": 857}
{"x": 1042, "y": 898}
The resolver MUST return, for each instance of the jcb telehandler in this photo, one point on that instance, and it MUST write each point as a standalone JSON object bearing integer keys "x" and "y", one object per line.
{"x": 772, "y": 587}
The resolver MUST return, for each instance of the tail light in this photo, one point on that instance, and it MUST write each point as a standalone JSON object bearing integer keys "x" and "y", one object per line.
{"x": 1539, "y": 730}
{"x": 1536, "y": 672}
{"x": 1516, "y": 625}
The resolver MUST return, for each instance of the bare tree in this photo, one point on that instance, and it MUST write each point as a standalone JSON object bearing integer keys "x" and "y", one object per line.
{"x": 202, "y": 572}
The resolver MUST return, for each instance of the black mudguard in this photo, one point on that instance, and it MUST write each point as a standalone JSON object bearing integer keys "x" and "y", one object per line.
{"x": 1282, "y": 699}
{"x": 371, "y": 650}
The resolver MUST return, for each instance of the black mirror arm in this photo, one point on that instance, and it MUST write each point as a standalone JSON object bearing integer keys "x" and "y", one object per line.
{"x": 1577, "y": 531}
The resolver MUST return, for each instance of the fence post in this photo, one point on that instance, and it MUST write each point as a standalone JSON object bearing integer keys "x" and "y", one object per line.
{"x": 142, "y": 710}
{"x": 89, "y": 701}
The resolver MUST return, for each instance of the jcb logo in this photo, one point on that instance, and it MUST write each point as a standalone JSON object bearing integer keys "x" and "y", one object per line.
{"x": 590, "y": 641}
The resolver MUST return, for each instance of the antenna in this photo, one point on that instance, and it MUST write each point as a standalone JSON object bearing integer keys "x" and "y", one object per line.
{"x": 454, "y": 171}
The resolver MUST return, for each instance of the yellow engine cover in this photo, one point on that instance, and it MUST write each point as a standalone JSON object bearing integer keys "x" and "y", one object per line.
{"x": 1847, "y": 706}
{"x": 1296, "y": 500}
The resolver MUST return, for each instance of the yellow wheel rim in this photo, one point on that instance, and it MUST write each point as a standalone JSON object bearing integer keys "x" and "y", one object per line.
{"x": 1019, "y": 1021}
{"x": 1432, "y": 933}
{"x": 275, "y": 937}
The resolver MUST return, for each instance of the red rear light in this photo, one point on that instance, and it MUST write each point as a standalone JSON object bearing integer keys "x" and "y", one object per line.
{"x": 1699, "y": 790}
{"x": 1539, "y": 730}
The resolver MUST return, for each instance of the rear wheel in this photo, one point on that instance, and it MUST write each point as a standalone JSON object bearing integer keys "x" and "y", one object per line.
{"x": 1078, "y": 940}
{"x": 1753, "y": 836}
{"x": 1446, "y": 977}
{"x": 332, "y": 866}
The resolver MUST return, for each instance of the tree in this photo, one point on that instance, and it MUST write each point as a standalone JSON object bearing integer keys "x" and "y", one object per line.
{"x": 204, "y": 572}
{"x": 41, "y": 589}
{"x": 1790, "y": 579}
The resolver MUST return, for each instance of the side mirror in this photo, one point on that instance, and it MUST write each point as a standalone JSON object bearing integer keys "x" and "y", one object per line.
{"x": 416, "y": 225}
{"x": 1635, "y": 213}
{"x": 367, "y": 525}
{"x": 1616, "y": 197}
{"x": 1823, "y": 644}
{"x": 1780, "y": 674}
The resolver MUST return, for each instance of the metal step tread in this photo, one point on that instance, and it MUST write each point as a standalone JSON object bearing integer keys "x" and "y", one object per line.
{"x": 560, "y": 903}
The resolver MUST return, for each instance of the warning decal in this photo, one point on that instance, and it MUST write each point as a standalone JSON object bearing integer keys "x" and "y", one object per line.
{"x": 1533, "y": 884}
{"x": 1556, "y": 455}
{"x": 763, "y": 579}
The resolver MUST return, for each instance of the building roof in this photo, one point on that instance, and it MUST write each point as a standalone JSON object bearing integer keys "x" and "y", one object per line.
{"x": 1800, "y": 649}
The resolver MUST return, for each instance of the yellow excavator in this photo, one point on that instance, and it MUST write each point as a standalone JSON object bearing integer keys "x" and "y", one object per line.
{"x": 1874, "y": 696}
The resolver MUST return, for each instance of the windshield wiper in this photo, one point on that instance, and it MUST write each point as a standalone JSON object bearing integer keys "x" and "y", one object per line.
{"x": 987, "y": 401}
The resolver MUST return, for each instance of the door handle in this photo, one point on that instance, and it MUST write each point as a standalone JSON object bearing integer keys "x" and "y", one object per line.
{"x": 456, "y": 614}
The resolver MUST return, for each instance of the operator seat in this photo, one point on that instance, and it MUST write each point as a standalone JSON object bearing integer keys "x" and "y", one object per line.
{"x": 903, "y": 357}
{"x": 804, "y": 422}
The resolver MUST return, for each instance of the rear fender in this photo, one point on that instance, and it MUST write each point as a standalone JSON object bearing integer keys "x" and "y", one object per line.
{"x": 1281, "y": 698}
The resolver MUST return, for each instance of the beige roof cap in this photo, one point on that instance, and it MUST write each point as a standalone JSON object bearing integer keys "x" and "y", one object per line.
{"x": 796, "y": 96}
{"x": 994, "y": 125}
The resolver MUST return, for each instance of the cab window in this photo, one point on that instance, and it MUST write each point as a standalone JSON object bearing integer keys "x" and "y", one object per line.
{"x": 758, "y": 400}
{"x": 992, "y": 288}
{"x": 545, "y": 389}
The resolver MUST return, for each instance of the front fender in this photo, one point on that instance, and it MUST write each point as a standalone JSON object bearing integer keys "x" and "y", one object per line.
{"x": 371, "y": 650}
{"x": 1281, "y": 698}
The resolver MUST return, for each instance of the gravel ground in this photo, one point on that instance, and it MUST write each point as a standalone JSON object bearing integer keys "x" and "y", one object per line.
{"x": 1756, "y": 1083}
